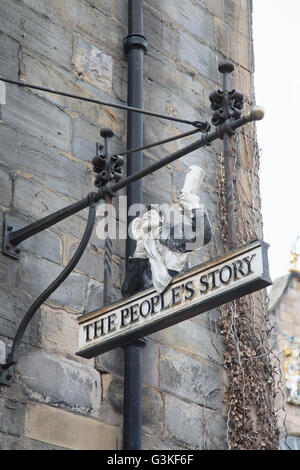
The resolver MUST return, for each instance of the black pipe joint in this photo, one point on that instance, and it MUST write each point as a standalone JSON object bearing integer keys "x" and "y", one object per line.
{"x": 137, "y": 41}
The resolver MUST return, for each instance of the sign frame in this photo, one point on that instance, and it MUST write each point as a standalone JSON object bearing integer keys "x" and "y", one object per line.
{"x": 251, "y": 282}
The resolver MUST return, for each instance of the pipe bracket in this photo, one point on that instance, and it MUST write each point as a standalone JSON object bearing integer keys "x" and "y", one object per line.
{"x": 135, "y": 40}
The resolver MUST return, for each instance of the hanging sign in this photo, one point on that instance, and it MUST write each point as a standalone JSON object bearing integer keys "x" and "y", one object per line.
{"x": 201, "y": 289}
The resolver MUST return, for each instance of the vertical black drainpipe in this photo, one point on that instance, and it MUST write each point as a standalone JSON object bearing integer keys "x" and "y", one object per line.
{"x": 135, "y": 46}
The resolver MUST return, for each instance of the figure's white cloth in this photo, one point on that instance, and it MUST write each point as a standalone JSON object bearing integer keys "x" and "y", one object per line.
{"x": 161, "y": 259}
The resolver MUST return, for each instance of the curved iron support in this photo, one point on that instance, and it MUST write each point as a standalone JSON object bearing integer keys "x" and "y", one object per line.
{"x": 53, "y": 286}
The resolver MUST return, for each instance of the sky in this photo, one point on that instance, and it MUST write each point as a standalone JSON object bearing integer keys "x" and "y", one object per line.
{"x": 276, "y": 33}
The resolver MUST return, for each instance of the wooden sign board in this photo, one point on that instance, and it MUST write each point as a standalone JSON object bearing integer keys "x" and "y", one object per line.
{"x": 201, "y": 289}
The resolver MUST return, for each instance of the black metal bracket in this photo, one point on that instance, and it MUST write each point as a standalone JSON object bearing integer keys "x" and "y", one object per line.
{"x": 109, "y": 170}
{"x": 7, "y": 247}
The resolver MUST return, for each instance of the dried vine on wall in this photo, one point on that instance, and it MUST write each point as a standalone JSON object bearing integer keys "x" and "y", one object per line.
{"x": 250, "y": 365}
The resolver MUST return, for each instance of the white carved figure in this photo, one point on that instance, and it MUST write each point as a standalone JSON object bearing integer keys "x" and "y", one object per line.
{"x": 167, "y": 251}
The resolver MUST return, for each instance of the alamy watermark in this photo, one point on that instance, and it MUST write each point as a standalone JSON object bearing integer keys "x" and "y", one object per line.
{"x": 182, "y": 223}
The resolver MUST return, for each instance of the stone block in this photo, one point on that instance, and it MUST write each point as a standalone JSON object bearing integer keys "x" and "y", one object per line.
{"x": 215, "y": 7}
{"x": 163, "y": 72}
{"x": 84, "y": 138}
{"x": 2, "y": 352}
{"x": 81, "y": 17}
{"x": 37, "y": 32}
{"x": 197, "y": 55}
{"x": 178, "y": 179}
{"x": 188, "y": 15}
{"x": 209, "y": 319}
{"x": 119, "y": 84}
{"x": 91, "y": 262}
{"x": 58, "y": 333}
{"x": 151, "y": 364}
{"x": 113, "y": 362}
{"x": 15, "y": 303}
{"x": 9, "y": 57}
{"x": 117, "y": 268}
{"x": 94, "y": 296}
{"x": 45, "y": 73}
{"x": 6, "y": 185}
{"x": 203, "y": 157}
{"x": 190, "y": 337}
{"x": 163, "y": 34}
{"x": 152, "y": 410}
{"x": 181, "y": 418}
{"x": 32, "y": 114}
{"x": 1, "y": 225}
{"x": 11, "y": 417}
{"x": 207, "y": 427}
{"x": 107, "y": 414}
{"x": 49, "y": 167}
{"x": 151, "y": 198}
{"x": 117, "y": 222}
{"x": 92, "y": 64}
{"x": 79, "y": 385}
{"x": 45, "y": 244}
{"x": 47, "y": 38}
{"x": 246, "y": 84}
{"x": 236, "y": 15}
{"x": 190, "y": 378}
{"x": 43, "y": 202}
{"x": 186, "y": 83}
{"x": 246, "y": 159}
{"x": 292, "y": 420}
{"x": 104, "y": 6}
{"x": 33, "y": 275}
{"x": 233, "y": 45}
{"x": 114, "y": 393}
{"x": 70, "y": 431}
{"x": 179, "y": 106}
{"x": 157, "y": 131}
{"x": 151, "y": 442}
{"x": 158, "y": 182}
{"x": 121, "y": 13}
{"x": 16, "y": 443}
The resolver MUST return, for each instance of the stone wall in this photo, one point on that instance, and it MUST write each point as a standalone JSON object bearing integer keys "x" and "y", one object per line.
{"x": 47, "y": 144}
{"x": 284, "y": 312}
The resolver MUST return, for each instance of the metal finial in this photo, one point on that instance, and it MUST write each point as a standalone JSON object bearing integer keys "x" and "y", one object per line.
{"x": 226, "y": 66}
{"x": 107, "y": 132}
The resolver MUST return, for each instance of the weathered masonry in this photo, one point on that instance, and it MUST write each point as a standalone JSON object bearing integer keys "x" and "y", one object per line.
{"x": 58, "y": 399}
